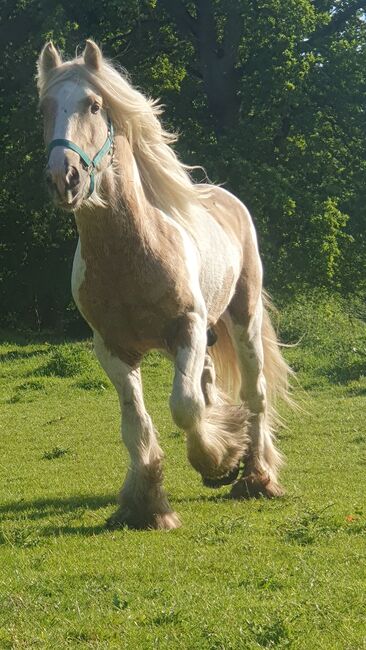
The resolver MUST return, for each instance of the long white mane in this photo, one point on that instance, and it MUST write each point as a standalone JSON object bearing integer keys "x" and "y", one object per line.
{"x": 165, "y": 180}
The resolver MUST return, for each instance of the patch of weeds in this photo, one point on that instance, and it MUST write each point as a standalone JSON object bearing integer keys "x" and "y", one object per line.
{"x": 269, "y": 583}
{"x": 176, "y": 435}
{"x": 358, "y": 440}
{"x": 118, "y": 602}
{"x": 32, "y": 384}
{"x": 167, "y": 617}
{"x": 154, "y": 592}
{"x": 56, "y": 452}
{"x": 16, "y": 354}
{"x": 21, "y": 537}
{"x": 215, "y": 641}
{"x": 271, "y": 635}
{"x": 80, "y": 636}
{"x": 66, "y": 361}
{"x": 357, "y": 391}
{"x": 15, "y": 398}
{"x": 307, "y": 528}
{"x": 90, "y": 383}
{"x": 324, "y": 354}
{"x": 57, "y": 419}
{"x": 6, "y": 641}
{"x": 25, "y": 391}
{"x": 355, "y": 524}
{"x": 220, "y": 532}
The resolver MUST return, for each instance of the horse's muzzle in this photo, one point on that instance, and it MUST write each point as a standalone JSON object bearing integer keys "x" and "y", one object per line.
{"x": 64, "y": 186}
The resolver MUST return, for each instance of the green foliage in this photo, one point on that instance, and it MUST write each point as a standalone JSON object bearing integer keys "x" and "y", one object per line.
{"x": 268, "y": 97}
{"x": 328, "y": 229}
{"x": 329, "y": 335}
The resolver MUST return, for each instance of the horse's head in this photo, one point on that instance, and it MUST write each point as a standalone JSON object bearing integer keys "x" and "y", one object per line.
{"x": 77, "y": 133}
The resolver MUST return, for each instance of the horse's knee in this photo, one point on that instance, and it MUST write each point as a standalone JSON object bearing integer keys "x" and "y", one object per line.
{"x": 257, "y": 402}
{"x": 186, "y": 407}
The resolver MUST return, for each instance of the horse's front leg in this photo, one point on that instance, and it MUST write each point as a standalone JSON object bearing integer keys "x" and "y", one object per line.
{"x": 143, "y": 502}
{"x": 215, "y": 428}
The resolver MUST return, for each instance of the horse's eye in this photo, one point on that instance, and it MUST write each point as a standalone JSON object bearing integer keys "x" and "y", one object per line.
{"x": 95, "y": 107}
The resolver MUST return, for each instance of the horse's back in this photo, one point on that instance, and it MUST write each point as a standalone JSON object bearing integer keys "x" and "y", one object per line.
{"x": 230, "y": 254}
{"x": 231, "y": 215}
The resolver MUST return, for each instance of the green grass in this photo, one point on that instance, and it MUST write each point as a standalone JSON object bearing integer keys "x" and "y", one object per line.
{"x": 238, "y": 575}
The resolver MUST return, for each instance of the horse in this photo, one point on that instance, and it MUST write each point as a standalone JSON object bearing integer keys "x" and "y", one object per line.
{"x": 163, "y": 263}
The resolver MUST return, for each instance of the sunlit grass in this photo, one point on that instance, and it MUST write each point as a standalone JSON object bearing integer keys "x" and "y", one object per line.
{"x": 237, "y": 575}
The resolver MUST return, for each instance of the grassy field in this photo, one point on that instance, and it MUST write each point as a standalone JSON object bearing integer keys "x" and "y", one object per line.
{"x": 289, "y": 573}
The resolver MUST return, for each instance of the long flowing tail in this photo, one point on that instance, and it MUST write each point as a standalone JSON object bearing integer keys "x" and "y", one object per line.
{"x": 221, "y": 441}
{"x": 276, "y": 371}
{"x": 225, "y": 360}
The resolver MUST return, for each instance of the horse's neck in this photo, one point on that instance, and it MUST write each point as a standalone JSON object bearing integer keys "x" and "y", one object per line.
{"x": 126, "y": 212}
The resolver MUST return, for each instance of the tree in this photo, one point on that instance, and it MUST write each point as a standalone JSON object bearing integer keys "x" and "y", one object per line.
{"x": 268, "y": 96}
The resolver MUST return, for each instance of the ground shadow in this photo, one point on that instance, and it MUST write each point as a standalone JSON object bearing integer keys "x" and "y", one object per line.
{"x": 357, "y": 392}
{"x": 202, "y": 498}
{"x": 82, "y": 531}
{"x": 344, "y": 373}
{"x": 20, "y": 512}
{"x": 37, "y": 510}
{"x": 41, "y": 508}
{"x": 13, "y": 355}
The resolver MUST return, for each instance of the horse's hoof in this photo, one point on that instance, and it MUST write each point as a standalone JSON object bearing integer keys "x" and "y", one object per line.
{"x": 227, "y": 479}
{"x": 255, "y": 486}
{"x": 126, "y": 518}
{"x": 167, "y": 521}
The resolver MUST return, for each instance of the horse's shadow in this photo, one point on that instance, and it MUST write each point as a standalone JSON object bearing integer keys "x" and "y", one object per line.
{"x": 42, "y": 510}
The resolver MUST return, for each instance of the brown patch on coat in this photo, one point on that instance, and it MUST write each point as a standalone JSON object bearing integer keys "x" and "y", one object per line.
{"x": 135, "y": 287}
{"x": 136, "y": 291}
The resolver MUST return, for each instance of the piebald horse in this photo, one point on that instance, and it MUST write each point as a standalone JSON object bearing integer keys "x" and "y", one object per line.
{"x": 162, "y": 263}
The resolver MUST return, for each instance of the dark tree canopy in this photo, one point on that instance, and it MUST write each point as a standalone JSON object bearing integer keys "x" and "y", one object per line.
{"x": 268, "y": 96}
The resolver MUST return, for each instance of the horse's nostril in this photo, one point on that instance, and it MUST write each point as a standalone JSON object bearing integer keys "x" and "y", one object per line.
{"x": 72, "y": 178}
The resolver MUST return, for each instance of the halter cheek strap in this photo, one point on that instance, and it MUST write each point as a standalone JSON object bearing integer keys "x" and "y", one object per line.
{"x": 89, "y": 163}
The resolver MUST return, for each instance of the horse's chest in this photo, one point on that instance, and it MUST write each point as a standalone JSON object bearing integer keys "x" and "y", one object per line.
{"x": 130, "y": 302}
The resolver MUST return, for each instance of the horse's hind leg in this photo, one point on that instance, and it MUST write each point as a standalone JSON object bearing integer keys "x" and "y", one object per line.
{"x": 263, "y": 459}
{"x": 216, "y": 434}
{"x": 143, "y": 503}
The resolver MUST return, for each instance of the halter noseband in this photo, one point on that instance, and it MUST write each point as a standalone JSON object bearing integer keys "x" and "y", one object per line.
{"x": 89, "y": 164}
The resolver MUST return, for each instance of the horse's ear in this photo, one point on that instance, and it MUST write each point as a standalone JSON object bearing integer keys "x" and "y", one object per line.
{"x": 92, "y": 55}
{"x": 48, "y": 59}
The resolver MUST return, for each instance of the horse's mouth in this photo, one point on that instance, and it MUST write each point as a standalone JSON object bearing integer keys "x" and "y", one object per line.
{"x": 69, "y": 205}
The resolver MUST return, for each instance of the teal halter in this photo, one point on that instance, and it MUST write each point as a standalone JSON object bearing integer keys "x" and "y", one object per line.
{"x": 89, "y": 164}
